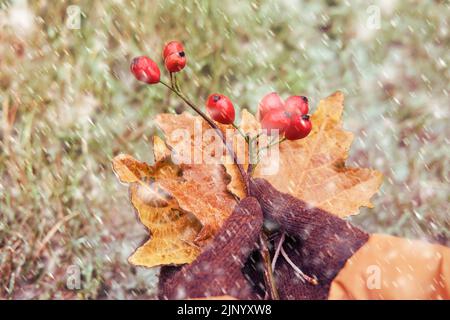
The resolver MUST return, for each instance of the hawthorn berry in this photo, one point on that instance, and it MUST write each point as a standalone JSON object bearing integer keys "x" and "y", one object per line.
{"x": 220, "y": 108}
{"x": 277, "y": 119}
{"x": 297, "y": 104}
{"x": 172, "y": 47}
{"x": 269, "y": 102}
{"x": 145, "y": 70}
{"x": 299, "y": 127}
{"x": 175, "y": 62}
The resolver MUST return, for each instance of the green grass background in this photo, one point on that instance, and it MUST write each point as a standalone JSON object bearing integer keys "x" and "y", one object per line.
{"x": 69, "y": 105}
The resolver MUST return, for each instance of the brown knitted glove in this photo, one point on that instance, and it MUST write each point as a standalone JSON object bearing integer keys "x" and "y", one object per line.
{"x": 318, "y": 242}
{"x": 217, "y": 270}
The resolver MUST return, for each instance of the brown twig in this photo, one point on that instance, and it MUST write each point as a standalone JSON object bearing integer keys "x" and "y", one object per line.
{"x": 302, "y": 275}
{"x": 268, "y": 274}
{"x": 277, "y": 251}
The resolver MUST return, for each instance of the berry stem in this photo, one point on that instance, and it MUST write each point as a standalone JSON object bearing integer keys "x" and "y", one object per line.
{"x": 271, "y": 144}
{"x": 240, "y": 132}
{"x": 175, "y": 82}
{"x": 252, "y": 166}
{"x": 171, "y": 80}
{"x": 277, "y": 251}
{"x": 213, "y": 125}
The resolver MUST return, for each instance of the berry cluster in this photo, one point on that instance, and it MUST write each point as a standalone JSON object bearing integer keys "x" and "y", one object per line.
{"x": 146, "y": 70}
{"x": 289, "y": 118}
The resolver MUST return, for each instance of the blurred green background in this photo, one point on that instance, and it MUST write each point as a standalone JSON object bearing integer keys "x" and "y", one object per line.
{"x": 69, "y": 104}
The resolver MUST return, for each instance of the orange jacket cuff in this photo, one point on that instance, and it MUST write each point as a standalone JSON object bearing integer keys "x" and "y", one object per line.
{"x": 388, "y": 267}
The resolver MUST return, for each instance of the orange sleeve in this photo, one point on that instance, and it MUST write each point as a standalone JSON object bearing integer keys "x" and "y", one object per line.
{"x": 388, "y": 267}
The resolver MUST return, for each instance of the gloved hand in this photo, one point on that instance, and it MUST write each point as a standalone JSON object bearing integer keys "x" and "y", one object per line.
{"x": 217, "y": 270}
{"x": 317, "y": 242}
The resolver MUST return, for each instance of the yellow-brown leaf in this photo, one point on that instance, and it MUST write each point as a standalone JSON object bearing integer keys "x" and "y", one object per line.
{"x": 172, "y": 230}
{"x": 313, "y": 168}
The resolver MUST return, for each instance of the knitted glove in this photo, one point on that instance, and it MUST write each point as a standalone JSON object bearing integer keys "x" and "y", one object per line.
{"x": 317, "y": 242}
{"x": 217, "y": 271}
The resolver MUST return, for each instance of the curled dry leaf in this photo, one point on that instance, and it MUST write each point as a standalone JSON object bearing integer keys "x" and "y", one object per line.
{"x": 172, "y": 230}
{"x": 313, "y": 169}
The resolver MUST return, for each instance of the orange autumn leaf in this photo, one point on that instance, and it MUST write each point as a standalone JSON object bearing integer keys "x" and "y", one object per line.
{"x": 202, "y": 187}
{"x": 313, "y": 169}
{"x": 172, "y": 230}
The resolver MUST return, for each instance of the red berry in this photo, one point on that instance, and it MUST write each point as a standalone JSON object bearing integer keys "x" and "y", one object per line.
{"x": 145, "y": 70}
{"x": 270, "y": 102}
{"x": 276, "y": 120}
{"x": 297, "y": 104}
{"x": 220, "y": 108}
{"x": 175, "y": 62}
{"x": 299, "y": 127}
{"x": 172, "y": 47}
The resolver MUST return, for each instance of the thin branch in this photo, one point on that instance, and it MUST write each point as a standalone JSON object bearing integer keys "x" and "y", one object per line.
{"x": 277, "y": 251}
{"x": 171, "y": 80}
{"x": 175, "y": 82}
{"x": 303, "y": 276}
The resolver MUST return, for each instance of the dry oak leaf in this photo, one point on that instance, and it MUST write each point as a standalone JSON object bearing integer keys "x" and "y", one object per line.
{"x": 202, "y": 187}
{"x": 172, "y": 230}
{"x": 313, "y": 169}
